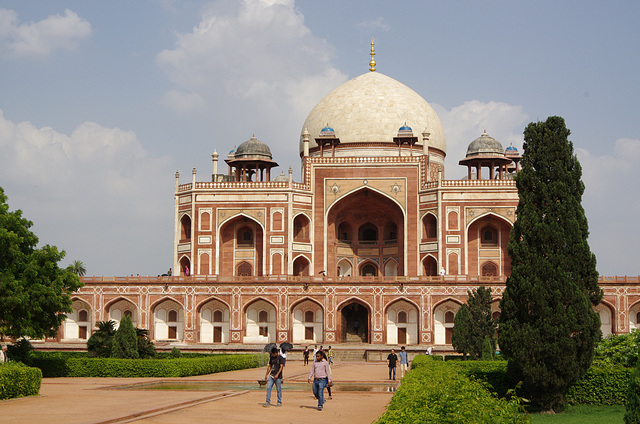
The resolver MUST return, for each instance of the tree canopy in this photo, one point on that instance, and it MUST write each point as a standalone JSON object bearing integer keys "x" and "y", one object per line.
{"x": 474, "y": 323}
{"x": 35, "y": 293}
{"x": 548, "y": 327}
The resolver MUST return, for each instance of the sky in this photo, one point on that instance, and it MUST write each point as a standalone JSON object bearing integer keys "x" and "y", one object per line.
{"x": 102, "y": 102}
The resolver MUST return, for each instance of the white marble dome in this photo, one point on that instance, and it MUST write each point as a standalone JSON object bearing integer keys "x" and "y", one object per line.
{"x": 371, "y": 108}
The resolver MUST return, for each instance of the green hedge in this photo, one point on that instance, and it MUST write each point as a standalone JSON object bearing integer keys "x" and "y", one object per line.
{"x": 599, "y": 386}
{"x": 60, "y": 366}
{"x": 434, "y": 392}
{"x": 18, "y": 380}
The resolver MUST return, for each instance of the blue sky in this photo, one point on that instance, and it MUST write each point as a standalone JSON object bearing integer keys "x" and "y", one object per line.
{"x": 101, "y": 102}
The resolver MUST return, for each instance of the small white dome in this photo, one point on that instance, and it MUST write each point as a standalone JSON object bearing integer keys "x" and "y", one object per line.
{"x": 371, "y": 108}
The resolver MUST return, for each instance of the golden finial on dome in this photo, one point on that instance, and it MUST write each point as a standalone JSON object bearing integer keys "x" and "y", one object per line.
{"x": 372, "y": 63}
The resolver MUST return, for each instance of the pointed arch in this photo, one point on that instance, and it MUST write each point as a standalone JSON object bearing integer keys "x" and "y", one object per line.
{"x": 443, "y": 320}
{"x": 168, "y": 319}
{"x": 391, "y": 267}
{"x": 78, "y": 323}
{"x": 185, "y": 228}
{"x": 354, "y": 316}
{"x": 344, "y": 268}
{"x": 402, "y": 319}
{"x": 301, "y": 266}
{"x": 185, "y": 265}
{"x": 260, "y": 329}
{"x": 301, "y": 228}
{"x": 429, "y": 265}
{"x": 607, "y": 320}
{"x": 307, "y": 318}
{"x": 117, "y": 308}
{"x": 240, "y": 232}
{"x": 213, "y": 321}
{"x": 429, "y": 227}
{"x": 368, "y": 268}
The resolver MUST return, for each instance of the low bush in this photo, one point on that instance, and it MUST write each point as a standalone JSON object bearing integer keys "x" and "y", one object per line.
{"x": 435, "y": 392}
{"x": 601, "y": 386}
{"x": 17, "y": 380}
{"x": 59, "y": 366}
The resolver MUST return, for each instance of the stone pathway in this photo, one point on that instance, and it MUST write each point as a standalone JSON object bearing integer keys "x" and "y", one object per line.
{"x": 95, "y": 400}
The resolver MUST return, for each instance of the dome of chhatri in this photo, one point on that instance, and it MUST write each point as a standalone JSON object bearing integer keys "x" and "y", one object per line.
{"x": 253, "y": 148}
{"x": 485, "y": 146}
{"x": 370, "y": 109}
{"x": 511, "y": 151}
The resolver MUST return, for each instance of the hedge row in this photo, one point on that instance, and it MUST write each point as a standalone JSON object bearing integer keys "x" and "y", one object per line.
{"x": 18, "y": 380}
{"x": 599, "y": 386}
{"x": 434, "y": 392}
{"x": 60, "y": 366}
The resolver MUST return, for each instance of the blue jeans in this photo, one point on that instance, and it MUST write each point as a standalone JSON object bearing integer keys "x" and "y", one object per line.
{"x": 318, "y": 389}
{"x": 278, "y": 383}
{"x": 394, "y": 372}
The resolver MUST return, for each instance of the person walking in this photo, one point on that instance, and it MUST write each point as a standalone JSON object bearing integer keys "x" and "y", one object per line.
{"x": 391, "y": 363}
{"x": 404, "y": 361}
{"x": 305, "y": 354}
{"x": 330, "y": 355}
{"x": 274, "y": 376}
{"x": 321, "y": 375}
{"x": 3, "y": 355}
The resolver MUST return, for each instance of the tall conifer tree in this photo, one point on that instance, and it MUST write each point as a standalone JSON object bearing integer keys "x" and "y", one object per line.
{"x": 548, "y": 326}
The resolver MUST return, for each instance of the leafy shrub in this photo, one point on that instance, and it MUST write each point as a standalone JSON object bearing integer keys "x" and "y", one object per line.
{"x": 601, "y": 386}
{"x": 99, "y": 344}
{"x": 125, "y": 341}
{"x": 58, "y": 366}
{"x": 175, "y": 352}
{"x": 20, "y": 351}
{"x": 618, "y": 349}
{"x": 436, "y": 392}
{"x": 632, "y": 415}
{"x": 18, "y": 380}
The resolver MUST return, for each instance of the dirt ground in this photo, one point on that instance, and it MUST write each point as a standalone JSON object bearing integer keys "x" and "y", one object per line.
{"x": 98, "y": 401}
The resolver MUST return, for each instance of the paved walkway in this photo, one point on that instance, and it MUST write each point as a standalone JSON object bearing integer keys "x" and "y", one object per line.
{"x": 97, "y": 401}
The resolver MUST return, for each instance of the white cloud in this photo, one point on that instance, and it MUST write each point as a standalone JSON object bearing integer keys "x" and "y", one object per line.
{"x": 97, "y": 193}
{"x": 463, "y": 124}
{"x": 260, "y": 60}
{"x": 611, "y": 203}
{"x": 41, "y": 38}
{"x": 373, "y": 24}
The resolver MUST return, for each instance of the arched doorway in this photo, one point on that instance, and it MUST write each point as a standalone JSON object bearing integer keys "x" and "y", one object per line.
{"x": 354, "y": 325}
{"x": 375, "y": 233}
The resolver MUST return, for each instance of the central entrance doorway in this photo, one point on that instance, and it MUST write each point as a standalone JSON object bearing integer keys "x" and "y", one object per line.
{"x": 354, "y": 326}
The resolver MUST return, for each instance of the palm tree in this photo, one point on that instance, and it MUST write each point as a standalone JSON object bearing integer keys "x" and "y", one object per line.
{"x": 99, "y": 344}
{"x": 78, "y": 268}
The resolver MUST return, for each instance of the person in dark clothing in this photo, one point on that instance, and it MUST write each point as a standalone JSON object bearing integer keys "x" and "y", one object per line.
{"x": 306, "y": 355}
{"x": 274, "y": 376}
{"x": 391, "y": 363}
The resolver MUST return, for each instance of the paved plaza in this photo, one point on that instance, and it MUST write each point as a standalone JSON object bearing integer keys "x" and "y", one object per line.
{"x": 98, "y": 401}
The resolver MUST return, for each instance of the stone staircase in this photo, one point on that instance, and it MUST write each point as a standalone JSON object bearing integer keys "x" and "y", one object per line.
{"x": 349, "y": 355}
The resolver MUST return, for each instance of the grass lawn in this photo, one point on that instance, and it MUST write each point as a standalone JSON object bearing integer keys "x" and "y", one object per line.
{"x": 583, "y": 414}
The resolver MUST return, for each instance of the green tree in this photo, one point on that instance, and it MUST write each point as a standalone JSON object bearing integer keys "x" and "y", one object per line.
{"x": 125, "y": 341}
{"x": 79, "y": 268}
{"x": 461, "y": 331}
{"x": 99, "y": 344}
{"x": 146, "y": 349}
{"x": 548, "y": 327}
{"x": 475, "y": 324}
{"x": 35, "y": 293}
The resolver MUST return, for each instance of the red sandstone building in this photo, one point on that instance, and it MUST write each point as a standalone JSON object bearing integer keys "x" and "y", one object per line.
{"x": 373, "y": 246}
